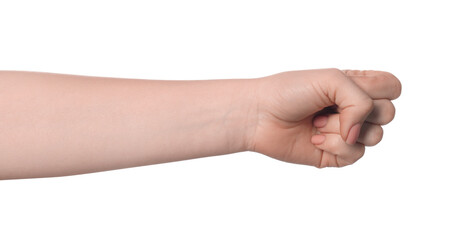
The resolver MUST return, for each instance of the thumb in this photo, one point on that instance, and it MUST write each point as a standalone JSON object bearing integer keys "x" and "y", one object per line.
{"x": 354, "y": 105}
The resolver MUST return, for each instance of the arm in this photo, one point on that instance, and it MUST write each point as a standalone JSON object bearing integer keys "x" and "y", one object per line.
{"x": 57, "y": 124}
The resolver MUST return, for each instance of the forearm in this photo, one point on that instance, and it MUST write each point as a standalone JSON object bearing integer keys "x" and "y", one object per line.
{"x": 55, "y": 124}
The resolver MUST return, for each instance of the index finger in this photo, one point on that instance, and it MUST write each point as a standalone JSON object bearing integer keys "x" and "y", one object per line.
{"x": 377, "y": 84}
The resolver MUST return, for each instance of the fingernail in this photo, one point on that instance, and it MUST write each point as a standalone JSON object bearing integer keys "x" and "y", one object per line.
{"x": 318, "y": 139}
{"x": 320, "y": 121}
{"x": 353, "y": 134}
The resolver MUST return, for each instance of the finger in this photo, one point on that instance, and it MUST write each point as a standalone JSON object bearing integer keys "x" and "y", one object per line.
{"x": 353, "y": 103}
{"x": 327, "y": 123}
{"x": 321, "y": 120}
{"x": 370, "y": 134}
{"x": 334, "y": 144}
{"x": 331, "y": 160}
{"x": 328, "y": 160}
{"x": 377, "y": 84}
{"x": 383, "y": 112}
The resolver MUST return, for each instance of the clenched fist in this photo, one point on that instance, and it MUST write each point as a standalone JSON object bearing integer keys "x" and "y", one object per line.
{"x": 323, "y": 118}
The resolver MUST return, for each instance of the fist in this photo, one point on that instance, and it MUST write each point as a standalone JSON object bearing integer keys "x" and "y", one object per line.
{"x": 323, "y": 118}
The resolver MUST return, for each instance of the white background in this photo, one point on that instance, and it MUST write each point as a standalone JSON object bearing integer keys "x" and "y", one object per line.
{"x": 401, "y": 189}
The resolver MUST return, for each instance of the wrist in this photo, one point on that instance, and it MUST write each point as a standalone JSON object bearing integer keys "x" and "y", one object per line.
{"x": 249, "y": 114}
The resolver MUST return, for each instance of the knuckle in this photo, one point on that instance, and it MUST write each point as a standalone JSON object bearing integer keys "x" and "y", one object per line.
{"x": 347, "y": 72}
{"x": 335, "y": 74}
{"x": 377, "y": 135}
{"x": 343, "y": 162}
{"x": 353, "y": 72}
{"x": 389, "y": 113}
{"x": 361, "y": 151}
{"x": 335, "y": 71}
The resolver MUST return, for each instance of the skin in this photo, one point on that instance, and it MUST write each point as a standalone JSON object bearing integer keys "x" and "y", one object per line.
{"x": 59, "y": 124}
{"x": 296, "y": 126}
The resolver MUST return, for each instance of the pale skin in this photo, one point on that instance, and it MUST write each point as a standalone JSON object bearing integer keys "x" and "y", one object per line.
{"x": 60, "y": 124}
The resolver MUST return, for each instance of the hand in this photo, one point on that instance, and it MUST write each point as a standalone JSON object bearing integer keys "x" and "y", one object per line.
{"x": 323, "y": 118}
